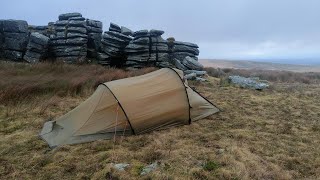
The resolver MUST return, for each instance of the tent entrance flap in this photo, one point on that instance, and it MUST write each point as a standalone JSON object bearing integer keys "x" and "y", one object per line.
{"x": 121, "y": 108}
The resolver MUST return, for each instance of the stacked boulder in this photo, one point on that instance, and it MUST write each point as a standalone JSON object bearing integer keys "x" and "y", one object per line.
{"x": 113, "y": 44}
{"x": 69, "y": 43}
{"x": 184, "y": 55}
{"x": 147, "y": 49}
{"x": 37, "y": 48}
{"x": 94, "y": 31}
{"x": 14, "y": 37}
{"x": 138, "y": 49}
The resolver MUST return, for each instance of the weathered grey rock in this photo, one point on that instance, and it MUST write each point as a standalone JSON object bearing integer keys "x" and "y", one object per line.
{"x": 198, "y": 73}
{"x": 159, "y": 48}
{"x": 134, "y": 64}
{"x": 192, "y": 64}
{"x": 159, "y": 57}
{"x": 114, "y": 39}
{"x": 67, "y": 16}
{"x": 182, "y": 55}
{"x": 141, "y": 33}
{"x": 77, "y": 30}
{"x": 13, "y": 55}
{"x": 74, "y": 23}
{"x": 94, "y": 23}
{"x": 94, "y": 29}
{"x": 164, "y": 64}
{"x": 73, "y": 41}
{"x": 251, "y": 83}
{"x": 108, "y": 42}
{"x": 137, "y": 47}
{"x": 66, "y": 53}
{"x": 94, "y": 40}
{"x": 76, "y": 35}
{"x": 64, "y": 35}
{"x": 185, "y": 44}
{"x": 30, "y": 59}
{"x": 77, "y": 18}
{"x": 1, "y": 26}
{"x": 154, "y": 32}
{"x": 191, "y": 76}
{"x": 183, "y": 48}
{"x": 112, "y": 51}
{"x": 119, "y": 35}
{"x": 201, "y": 79}
{"x": 149, "y": 168}
{"x": 158, "y": 39}
{"x": 103, "y": 56}
{"x": 121, "y": 166}
{"x": 16, "y": 41}
{"x": 126, "y": 31}
{"x": 114, "y": 27}
{"x": 179, "y": 65}
{"x": 15, "y": 26}
{"x": 142, "y": 40}
{"x": 36, "y": 47}
{"x": 60, "y": 28}
{"x": 39, "y": 39}
{"x": 33, "y": 55}
{"x": 70, "y": 50}
{"x": 62, "y": 23}
{"x": 141, "y": 57}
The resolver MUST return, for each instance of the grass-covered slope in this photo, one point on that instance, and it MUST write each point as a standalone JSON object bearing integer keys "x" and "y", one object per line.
{"x": 271, "y": 134}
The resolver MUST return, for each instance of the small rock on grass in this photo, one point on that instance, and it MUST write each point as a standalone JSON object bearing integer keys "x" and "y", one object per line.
{"x": 149, "y": 168}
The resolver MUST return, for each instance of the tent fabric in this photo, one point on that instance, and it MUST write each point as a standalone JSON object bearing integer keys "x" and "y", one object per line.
{"x": 136, "y": 105}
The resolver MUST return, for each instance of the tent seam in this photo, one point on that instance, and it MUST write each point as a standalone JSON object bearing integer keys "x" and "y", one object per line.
{"x": 120, "y": 106}
{"x": 185, "y": 88}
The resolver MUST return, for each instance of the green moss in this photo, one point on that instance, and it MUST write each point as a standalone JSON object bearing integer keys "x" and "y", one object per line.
{"x": 210, "y": 166}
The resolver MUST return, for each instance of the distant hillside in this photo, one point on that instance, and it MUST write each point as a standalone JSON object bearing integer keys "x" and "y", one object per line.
{"x": 237, "y": 64}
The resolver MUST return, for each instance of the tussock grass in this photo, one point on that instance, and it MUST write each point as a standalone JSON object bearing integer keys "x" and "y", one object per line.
{"x": 271, "y": 134}
{"x": 25, "y": 82}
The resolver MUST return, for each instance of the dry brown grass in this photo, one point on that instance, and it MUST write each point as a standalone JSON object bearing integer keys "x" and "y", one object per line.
{"x": 270, "y": 75}
{"x": 24, "y": 82}
{"x": 271, "y": 134}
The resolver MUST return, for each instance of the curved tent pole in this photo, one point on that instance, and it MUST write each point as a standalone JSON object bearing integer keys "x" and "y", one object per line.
{"x": 120, "y": 106}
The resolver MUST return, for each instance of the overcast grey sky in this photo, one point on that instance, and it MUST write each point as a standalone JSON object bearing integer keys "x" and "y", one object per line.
{"x": 229, "y": 29}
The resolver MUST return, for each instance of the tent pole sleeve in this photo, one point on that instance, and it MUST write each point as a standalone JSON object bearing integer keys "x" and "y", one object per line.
{"x": 121, "y": 107}
{"x": 185, "y": 88}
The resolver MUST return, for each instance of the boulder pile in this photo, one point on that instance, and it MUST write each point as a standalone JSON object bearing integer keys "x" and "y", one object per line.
{"x": 69, "y": 42}
{"x": 73, "y": 39}
{"x": 147, "y": 48}
{"x": 94, "y": 30}
{"x": 14, "y": 37}
{"x": 37, "y": 48}
{"x": 112, "y": 46}
{"x": 45, "y": 30}
{"x": 184, "y": 55}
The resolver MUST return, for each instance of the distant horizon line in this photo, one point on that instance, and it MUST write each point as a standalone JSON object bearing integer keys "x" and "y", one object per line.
{"x": 306, "y": 61}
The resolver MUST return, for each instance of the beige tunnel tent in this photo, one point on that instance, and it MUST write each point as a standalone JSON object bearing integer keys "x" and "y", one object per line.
{"x": 135, "y": 105}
